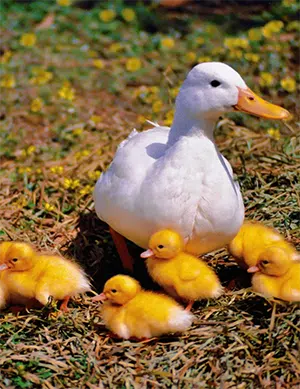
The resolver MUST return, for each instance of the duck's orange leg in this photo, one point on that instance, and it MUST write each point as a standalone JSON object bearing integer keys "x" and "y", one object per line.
{"x": 64, "y": 304}
{"x": 189, "y": 306}
{"x": 122, "y": 249}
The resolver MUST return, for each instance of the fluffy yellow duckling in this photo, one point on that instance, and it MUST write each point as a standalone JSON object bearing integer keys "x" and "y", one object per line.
{"x": 277, "y": 275}
{"x": 132, "y": 312}
{"x": 253, "y": 239}
{"x": 29, "y": 276}
{"x": 180, "y": 274}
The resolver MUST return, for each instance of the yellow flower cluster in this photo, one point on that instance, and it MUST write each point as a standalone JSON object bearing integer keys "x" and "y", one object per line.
{"x": 190, "y": 57}
{"x": 82, "y": 154}
{"x": 169, "y": 117}
{"x": 107, "y": 15}
{"x": 27, "y": 152}
{"x": 77, "y": 131}
{"x": 8, "y": 81}
{"x": 204, "y": 58}
{"x": 40, "y": 76}
{"x": 133, "y": 64}
{"x": 235, "y": 54}
{"x": 128, "y": 14}
{"x": 271, "y": 28}
{"x": 67, "y": 92}
{"x": 252, "y": 57}
{"x": 167, "y": 43}
{"x": 86, "y": 190}
{"x": 98, "y": 63}
{"x": 57, "y": 169}
{"x": 157, "y": 106}
{"x": 255, "y": 34}
{"x": 115, "y": 47}
{"x": 71, "y": 184}
{"x": 266, "y": 79}
{"x": 64, "y": 3}
{"x": 95, "y": 119}
{"x": 28, "y": 40}
{"x": 48, "y": 207}
{"x": 24, "y": 170}
{"x": 288, "y": 84}
{"x": 236, "y": 43}
{"x": 36, "y": 105}
{"x": 94, "y": 175}
{"x": 6, "y": 56}
{"x": 274, "y": 133}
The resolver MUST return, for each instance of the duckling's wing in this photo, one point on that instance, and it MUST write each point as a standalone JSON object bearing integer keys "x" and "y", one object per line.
{"x": 189, "y": 270}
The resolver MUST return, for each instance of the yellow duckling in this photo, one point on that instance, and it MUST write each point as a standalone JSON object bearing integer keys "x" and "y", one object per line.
{"x": 253, "y": 239}
{"x": 277, "y": 275}
{"x": 132, "y": 312}
{"x": 180, "y": 274}
{"x": 28, "y": 276}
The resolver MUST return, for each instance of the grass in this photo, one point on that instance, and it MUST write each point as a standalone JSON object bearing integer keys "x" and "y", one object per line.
{"x": 54, "y": 148}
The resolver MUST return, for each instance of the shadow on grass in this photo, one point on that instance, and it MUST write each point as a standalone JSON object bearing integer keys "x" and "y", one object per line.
{"x": 94, "y": 249}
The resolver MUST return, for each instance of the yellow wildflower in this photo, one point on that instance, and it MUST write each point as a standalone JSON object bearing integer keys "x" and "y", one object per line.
{"x": 157, "y": 106}
{"x": 255, "y": 34}
{"x": 23, "y": 170}
{"x": 21, "y": 202}
{"x": 190, "y": 56}
{"x": 82, "y": 154}
{"x": 234, "y": 43}
{"x": 28, "y": 39}
{"x": 48, "y": 207}
{"x": 288, "y": 84}
{"x": 70, "y": 184}
{"x": 86, "y": 190}
{"x": 174, "y": 92}
{"x": 6, "y": 56}
{"x": 41, "y": 76}
{"x": 8, "y": 81}
{"x": 252, "y": 57}
{"x": 169, "y": 117}
{"x": 204, "y": 58}
{"x": 98, "y": 63}
{"x": 274, "y": 133}
{"x": 57, "y": 169}
{"x": 36, "y": 105}
{"x": 95, "y": 119}
{"x": 30, "y": 150}
{"x": 133, "y": 64}
{"x": 115, "y": 47}
{"x": 217, "y": 51}
{"x": 128, "y": 14}
{"x": 266, "y": 79}
{"x": 272, "y": 28}
{"x": 200, "y": 40}
{"x": 293, "y": 26}
{"x": 67, "y": 92}
{"x": 77, "y": 131}
{"x": 235, "y": 54}
{"x": 167, "y": 43}
{"x": 141, "y": 119}
{"x": 107, "y": 15}
{"x": 94, "y": 175}
{"x": 92, "y": 53}
{"x": 64, "y": 3}
{"x": 154, "y": 89}
{"x": 38, "y": 171}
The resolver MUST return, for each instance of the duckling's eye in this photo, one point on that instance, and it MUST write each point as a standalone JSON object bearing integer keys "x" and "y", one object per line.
{"x": 264, "y": 262}
{"x": 113, "y": 290}
{"x": 215, "y": 83}
{"x": 15, "y": 259}
{"x": 160, "y": 246}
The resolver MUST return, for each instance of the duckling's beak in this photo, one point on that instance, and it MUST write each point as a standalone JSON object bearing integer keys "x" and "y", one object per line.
{"x": 147, "y": 254}
{"x": 100, "y": 297}
{"x": 4, "y": 266}
{"x": 253, "y": 269}
{"x": 249, "y": 102}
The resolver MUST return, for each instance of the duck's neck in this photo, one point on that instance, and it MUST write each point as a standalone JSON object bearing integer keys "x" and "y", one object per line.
{"x": 183, "y": 125}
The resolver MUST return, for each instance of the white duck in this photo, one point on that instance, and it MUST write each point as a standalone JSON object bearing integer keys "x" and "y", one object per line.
{"x": 176, "y": 178}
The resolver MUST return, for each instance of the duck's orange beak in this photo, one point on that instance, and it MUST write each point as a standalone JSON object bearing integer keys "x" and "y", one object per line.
{"x": 100, "y": 297}
{"x": 4, "y": 266}
{"x": 249, "y": 102}
{"x": 253, "y": 269}
{"x": 147, "y": 254}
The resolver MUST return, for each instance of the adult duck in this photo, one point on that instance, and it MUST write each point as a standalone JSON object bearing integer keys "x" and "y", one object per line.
{"x": 175, "y": 178}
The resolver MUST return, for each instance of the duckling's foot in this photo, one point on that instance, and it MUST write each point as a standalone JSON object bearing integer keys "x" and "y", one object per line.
{"x": 122, "y": 249}
{"x": 189, "y": 306}
{"x": 64, "y": 304}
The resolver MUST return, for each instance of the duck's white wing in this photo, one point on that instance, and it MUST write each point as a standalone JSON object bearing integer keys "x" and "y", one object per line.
{"x": 118, "y": 188}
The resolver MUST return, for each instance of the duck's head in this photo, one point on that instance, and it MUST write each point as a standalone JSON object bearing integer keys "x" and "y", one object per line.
{"x": 164, "y": 244}
{"x": 274, "y": 261}
{"x": 120, "y": 289}
{"x": 16, "y": 256}
{"x": 212, "y": 88}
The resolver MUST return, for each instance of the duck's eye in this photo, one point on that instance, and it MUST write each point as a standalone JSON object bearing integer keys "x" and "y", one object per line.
{"x": 215, "y": 83}
{"x": 160, "y": 246}
{"x": 114, "y": 291}
{"x": 15, "y": 259}
{"x": 264, "y": 262}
